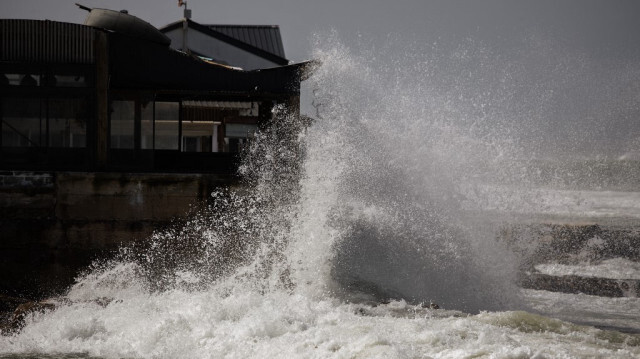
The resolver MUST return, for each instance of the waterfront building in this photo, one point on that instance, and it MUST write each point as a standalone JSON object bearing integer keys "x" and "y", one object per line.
{"x": 78, "y": 97}
{"x": 109, "y": 132}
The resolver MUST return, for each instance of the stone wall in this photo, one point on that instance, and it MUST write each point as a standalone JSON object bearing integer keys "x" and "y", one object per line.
{"x": 54, "y": 224}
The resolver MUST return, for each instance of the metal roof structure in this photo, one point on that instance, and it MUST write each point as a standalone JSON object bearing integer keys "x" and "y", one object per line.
{"x": 44, "y": 41}
{"x": 261, "y": 40}
{"x": 264, "y": 37}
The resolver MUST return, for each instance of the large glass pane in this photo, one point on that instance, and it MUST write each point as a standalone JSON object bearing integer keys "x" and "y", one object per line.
{"x": 122, "y": 124}
{"x": 237, "y": 134}
{"x": 22, "y": 80}
{"x": 70, "y": 81}
{"x": 146, "y": 126}
{"x": 240, "y": 130}
{"x": 23, "y": 122}
{"x": 167, "y": 125}
{"x": 197, "y": 136}
{"x": 67, "y": 123}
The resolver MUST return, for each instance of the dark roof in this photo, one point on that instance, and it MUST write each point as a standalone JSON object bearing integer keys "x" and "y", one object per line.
{"x": 137, "y": 63}
{"x": 265, "y": 37}
{"x": 44, "y": 41}
{"x": 261, "y": 40}
{"x": 158, "y": 67}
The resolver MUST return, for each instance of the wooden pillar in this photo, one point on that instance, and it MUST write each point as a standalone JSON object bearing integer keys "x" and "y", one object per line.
{"x": 180, "y": 126}
{"x": 102, "y": 99}
{"x": 137, "y": 125}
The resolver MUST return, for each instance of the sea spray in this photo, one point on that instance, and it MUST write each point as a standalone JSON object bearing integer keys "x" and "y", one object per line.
{"x": 241, "y": 233}
{"x": 403, "y": 231}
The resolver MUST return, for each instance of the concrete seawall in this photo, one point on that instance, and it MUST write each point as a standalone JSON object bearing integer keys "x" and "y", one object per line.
{"x": 54, "y": 224}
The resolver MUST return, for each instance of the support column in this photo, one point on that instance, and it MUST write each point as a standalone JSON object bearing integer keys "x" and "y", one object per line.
{"x": 102, "y": 99}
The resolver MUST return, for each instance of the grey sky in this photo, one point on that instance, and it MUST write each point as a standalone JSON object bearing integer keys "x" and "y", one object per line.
{"x": 599, "y": 27}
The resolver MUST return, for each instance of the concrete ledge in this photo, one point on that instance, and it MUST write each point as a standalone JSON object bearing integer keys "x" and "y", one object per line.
{"x": 15, "y": 179}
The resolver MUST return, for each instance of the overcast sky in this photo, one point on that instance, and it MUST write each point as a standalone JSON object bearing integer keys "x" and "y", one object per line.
{"x": 599, "y": 27}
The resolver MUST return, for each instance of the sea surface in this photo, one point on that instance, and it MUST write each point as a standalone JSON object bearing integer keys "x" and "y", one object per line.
{"x": 372, "y": 232}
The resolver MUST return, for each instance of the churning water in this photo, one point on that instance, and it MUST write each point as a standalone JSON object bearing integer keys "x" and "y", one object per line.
{"x": 350, "y": 227}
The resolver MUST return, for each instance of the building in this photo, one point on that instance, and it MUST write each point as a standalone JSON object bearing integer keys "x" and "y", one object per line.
{"x": 79, "y": 97}
{"x": 108, "y": 133}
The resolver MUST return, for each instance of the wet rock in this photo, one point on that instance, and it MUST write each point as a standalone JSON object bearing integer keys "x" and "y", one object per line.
{"x": 430, "y": 305}
{"x": 103, "y": 301}
{"x": 17, "y": 320}
{"x": 604, "y": 287}
{"x": 7, "y": 306}
{"x": 9, "y": 303}
{"x": 572, "y": 242}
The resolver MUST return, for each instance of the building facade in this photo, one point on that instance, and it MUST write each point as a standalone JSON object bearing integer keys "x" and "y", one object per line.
{"x": 76, "y": 97}
{"x": 108, "y": 134}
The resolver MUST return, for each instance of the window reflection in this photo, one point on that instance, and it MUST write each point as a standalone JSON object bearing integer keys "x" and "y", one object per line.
{"x": 122, "y": 124}
{"x": 237, "y": 135}
{"x": 167, "y": 125}
{"x": 146, "y": 126}
{"x": 67, "y": 123}
{"x": 23, "y": 122}
{"x": 47, "y": 79}
{"x": 70, "y": 81}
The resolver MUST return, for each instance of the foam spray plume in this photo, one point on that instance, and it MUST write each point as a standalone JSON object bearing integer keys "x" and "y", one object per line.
{"x": 400, "y": 163}
{"x": 378, "y": 200}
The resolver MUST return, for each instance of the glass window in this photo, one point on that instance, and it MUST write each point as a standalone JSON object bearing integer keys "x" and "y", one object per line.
{"x": 146, "y": 126}
{"x": 67, "y": 123}
{"x": 70, "y": 81}
{"x": 191, "y": 144}
{"x": 215, "y": 144}
{"x": 21, "y": 80}
{"x": 23, "y": 122}
{"x": 240, "y": 130}
{"x": 167, "y": 125}
{"x": 122, "y": 124}
{"x": 197, "y": 136}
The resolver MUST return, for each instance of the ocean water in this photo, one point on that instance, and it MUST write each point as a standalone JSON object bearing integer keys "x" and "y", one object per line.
{"x": 351, "y": 228}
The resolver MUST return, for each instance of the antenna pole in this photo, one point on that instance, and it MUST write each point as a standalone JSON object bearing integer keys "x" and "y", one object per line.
{"x": 185, "y": 25}
{"x": 187, "y": 12}
{"x": 83, "y": 7}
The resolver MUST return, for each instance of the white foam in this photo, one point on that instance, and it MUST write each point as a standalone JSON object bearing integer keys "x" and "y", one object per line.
{"x": 614, "y": 268}
{"x": 277, "y": 325}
